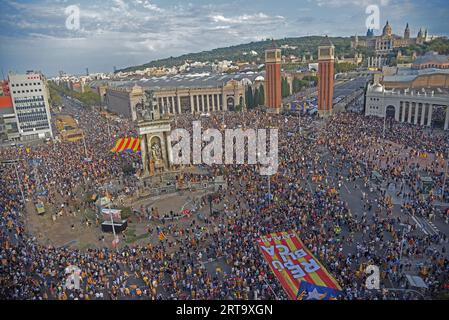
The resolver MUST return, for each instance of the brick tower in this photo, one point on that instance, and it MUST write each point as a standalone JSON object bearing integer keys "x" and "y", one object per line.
{"x": 326, "y": 52}
{"x": 273, "y": 97}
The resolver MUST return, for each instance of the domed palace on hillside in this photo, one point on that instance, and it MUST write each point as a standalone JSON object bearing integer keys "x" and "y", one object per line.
{"x": 388, "y": 41}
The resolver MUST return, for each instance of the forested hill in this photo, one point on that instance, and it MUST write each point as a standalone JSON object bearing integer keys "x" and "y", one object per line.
{"x": 305, "y": 45}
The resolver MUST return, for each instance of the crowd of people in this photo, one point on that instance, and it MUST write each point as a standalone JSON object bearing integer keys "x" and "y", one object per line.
{"x": 316, "y": 159}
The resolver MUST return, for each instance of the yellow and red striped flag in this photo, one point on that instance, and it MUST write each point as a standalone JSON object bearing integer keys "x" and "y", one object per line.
{"x": 127, "y": 144}
{"x": 297, "y": 270}
{"x": 162, "y": 236}
{"x": 423, "y": 155}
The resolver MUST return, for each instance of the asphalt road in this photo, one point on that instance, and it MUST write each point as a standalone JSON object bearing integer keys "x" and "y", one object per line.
{"x": 349, "y": 87}
{"x": 341, "y": 89}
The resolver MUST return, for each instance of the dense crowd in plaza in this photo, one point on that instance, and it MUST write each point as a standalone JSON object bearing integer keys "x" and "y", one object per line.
{"x": 343, "y": 240}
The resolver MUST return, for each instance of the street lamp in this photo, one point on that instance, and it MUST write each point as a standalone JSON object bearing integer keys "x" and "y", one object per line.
{"x": 112, "y": 218}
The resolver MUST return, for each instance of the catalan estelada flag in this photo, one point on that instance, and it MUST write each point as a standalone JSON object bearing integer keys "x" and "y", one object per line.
{"x": 162, "y": 236}
{"x": 301, "y": 275}
{"x": 127, "y": 144}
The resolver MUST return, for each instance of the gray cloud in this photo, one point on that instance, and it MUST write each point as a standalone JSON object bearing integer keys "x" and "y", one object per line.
{"x": 123, "y": 33}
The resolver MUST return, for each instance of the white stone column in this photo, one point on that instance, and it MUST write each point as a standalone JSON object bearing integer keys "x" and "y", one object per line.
{"x": 169, "y": 150}
{"x": 429, "y": 119}
{"x": 403, "y": 112}
{"x": 213, "y": 102}
{"x": 173, "y": 106}
{"x": 143, "y": 152}
{"x": 162, "y": 105}
{"x": 409, "y": 112}
{"x": 197, "y": 103}
{"x": 207, "y": 103}
{"x": 423, "y": 113}
{"x": 224, "y": 107}
{"x": 416, "y": 112}
{"x": 178, "y": 98}
{"x": 192, "y": 105}
{"x": 236, "y": 99}
{"x": 446, "y": 120}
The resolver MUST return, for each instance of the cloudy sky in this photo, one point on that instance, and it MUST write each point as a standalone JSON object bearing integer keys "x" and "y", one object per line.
{"x": 34, "y": 34}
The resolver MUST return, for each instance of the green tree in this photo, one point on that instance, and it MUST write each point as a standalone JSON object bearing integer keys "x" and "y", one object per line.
{"x": 313, "y": 79}
{"x": 296, "y": 85}
{"x": 285, "y": 88}
{"x": 249, "y": 97}
{"x": 55, "y": 98}
{"x": 256, "y": 100}
{"x": 261, "y": 95}
{"x": 344, "y": 67}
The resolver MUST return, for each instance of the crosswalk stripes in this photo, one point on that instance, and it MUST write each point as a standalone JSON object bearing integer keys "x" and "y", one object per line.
{"x": 419, "y": 225}
{"x": 433, "y": 226}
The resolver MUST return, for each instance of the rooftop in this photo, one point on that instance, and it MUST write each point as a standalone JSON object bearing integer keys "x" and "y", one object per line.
{"x": 326, "y": 42}
{"x": 198, "y": 80}
{"x": 431, "y": 57}
{"x": 407, "y": 74}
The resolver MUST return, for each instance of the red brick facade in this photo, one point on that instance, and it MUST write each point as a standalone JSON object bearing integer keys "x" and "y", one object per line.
{"x": 273, "y": 85}
{"x": 325, "y": 86}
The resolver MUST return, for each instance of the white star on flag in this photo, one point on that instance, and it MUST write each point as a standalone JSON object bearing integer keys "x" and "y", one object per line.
{"x": 314, "y": 295}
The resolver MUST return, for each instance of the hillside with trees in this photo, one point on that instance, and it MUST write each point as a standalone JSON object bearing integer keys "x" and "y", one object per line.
{"x": 440, "y": 45}
{"x": 304, "y": 46}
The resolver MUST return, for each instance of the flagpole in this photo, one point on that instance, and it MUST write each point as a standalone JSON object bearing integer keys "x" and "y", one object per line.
{"x": 269, "y": 286}
{"x": 112, "y": 219}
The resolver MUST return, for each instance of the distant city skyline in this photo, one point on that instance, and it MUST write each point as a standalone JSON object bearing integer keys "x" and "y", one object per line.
{"x": 126, "y": 33}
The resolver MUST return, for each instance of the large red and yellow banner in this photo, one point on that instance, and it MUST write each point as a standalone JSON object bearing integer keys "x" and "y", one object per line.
{"x": 301, "y": 275}
{"x": 127, "y": 144}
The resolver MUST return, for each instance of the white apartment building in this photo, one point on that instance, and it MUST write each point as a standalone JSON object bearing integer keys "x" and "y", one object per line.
{"x": 30, "y": 96}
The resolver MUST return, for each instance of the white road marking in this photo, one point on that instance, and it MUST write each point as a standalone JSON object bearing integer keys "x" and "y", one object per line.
{"x": 419, "y": 225}
{"x": 432, "y": 226}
